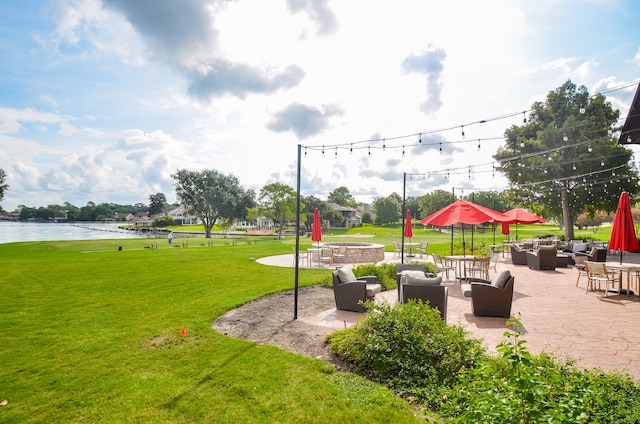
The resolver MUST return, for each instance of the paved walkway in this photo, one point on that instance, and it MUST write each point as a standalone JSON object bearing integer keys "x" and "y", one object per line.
{"x": 559, "y": 317}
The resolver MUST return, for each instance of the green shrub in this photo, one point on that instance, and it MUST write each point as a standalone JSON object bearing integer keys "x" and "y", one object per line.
{"x": 386, "y": 274}
{"x": 517, "y": 386}
{"x": 408, "y": 348}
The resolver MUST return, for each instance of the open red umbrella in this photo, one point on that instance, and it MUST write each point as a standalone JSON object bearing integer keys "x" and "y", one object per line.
{"x": 463, "y": 212}
{"x": 521, "y": 216}
{"x": 623, "y": 234}
{"x": 316, "y": 227}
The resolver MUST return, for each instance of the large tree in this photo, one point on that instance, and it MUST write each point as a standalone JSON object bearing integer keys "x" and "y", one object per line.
{"x": 278, "y": 202}
{"x": 342, "y": 197}
{"x": 157, "y": 203}
{"x": 211, "y": 195}
{"x": 566, "y": 159}
{"x": 3, "y": 185}
{"x": 388, "y": 210}
{"x": 432, "y": 202}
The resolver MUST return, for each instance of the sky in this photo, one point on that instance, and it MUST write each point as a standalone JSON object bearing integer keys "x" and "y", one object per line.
{"x": 102, "y": 100}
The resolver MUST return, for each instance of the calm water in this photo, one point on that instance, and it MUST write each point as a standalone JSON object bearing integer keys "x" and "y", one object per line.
{"x": 27, "y": 231}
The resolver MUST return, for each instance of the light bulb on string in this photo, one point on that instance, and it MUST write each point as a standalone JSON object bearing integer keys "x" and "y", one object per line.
{"x": 336, "y": 153}
{"x": 383, "y": 144}
{"x": 602, "y": 163}
{"x": 574, "y": 166}
{"x": 305, "y": 152}
{"x": 629, "y": 139}
{"x": 478, "y": 144}
{"x": 323, "y": 150}
{"x": 420, "y": 138}
{"x": 582, "y": 110}
{"x": 564, "y": 137}
{"x": 440, "y": 147}
{"x": 369, "y": 151}
{"x": 462, "y": 126}
{"x": 402, "y": 151}
{"x": 589, "y": 148}
{"x": 351, "y": 148}
{"x": 522, "y": 144}
{"x": 524, "y": 117}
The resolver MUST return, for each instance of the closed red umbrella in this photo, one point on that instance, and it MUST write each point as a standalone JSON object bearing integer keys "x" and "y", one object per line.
{"x": 316, "y": 227}
{"x": 623, "y": 234}
{"x": 408, "y": 231}
{"x": 408, "y": 228}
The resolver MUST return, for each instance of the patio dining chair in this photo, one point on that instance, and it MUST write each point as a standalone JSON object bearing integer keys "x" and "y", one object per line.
{"x": 423, "y": 248}
{"x": 480, "y": 267}
{"x": 326, "y": 256}
{"x": 597, "y": 273}
{"x": 442, "y": 266}
{"x": 302, "y": 256}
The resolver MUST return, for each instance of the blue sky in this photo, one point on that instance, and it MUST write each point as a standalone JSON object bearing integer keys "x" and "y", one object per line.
{"x": 101, "y": 100}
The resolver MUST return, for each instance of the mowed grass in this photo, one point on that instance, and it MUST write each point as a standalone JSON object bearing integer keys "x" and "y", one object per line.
{"x": 89, "y": 333}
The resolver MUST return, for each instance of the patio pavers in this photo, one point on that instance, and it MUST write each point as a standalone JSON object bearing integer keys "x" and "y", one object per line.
{"x": 558, "y": 317}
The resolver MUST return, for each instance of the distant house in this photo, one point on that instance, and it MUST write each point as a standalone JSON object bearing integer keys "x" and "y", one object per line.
{"x": 350, "y": 216}
{"x": 180, "y": 215}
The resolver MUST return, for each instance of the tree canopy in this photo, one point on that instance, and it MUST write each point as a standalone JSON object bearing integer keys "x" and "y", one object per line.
{"x": 342, "y": 197}
{"x": 3, "y": 185}
{"x": 277, "y": 201}
{"x": 157, "y": 202}
{"x": 211, "y": 195}
{"x": 566, "y": 159}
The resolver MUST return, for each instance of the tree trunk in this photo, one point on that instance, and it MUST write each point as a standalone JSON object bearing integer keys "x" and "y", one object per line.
{"x": 566, "y": 213}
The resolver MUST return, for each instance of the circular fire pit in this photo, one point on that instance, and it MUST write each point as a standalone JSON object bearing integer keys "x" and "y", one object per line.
{"x": 358, "y": 253}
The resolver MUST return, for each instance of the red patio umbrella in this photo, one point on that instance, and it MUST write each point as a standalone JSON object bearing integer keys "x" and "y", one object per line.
{"x": 623, "y": 234}
{"x": 521, "y": 216}
{"x": 463, "y": 212}
{"x": 316, "y": 227}
{"x": 408, "y": 230}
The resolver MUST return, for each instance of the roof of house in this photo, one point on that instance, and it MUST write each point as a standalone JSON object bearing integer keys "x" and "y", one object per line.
{"x": 631, "y": 129}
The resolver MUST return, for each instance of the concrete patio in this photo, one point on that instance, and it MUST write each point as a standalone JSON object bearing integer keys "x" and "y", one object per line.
{"x": 558, "y": 317}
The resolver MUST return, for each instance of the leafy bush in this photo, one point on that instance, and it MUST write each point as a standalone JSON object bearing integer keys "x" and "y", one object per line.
{"x": 521, "y": 387}
{"x": 386, "y": 274}
{"x": 408, "y": 348}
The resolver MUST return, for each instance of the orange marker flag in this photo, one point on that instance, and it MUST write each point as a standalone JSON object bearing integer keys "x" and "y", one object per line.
{"x": 183, "y": 332}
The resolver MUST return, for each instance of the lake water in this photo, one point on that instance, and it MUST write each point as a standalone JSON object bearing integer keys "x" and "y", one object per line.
{"x": 30, "y": 231}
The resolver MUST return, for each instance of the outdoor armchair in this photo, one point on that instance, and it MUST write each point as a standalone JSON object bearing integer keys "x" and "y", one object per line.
{"x": 490, "y": 298}
{"x": 435, "y": 294}
{"x": 412, "y": 269}
{"x": 597, "y": 254}
{"x": 518, "y": 255}
{"x": 350, "y": 292}
{"x": 543, "y": 258}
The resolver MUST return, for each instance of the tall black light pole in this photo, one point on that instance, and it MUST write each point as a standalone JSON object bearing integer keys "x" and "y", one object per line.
{"x": 295, "y": 295}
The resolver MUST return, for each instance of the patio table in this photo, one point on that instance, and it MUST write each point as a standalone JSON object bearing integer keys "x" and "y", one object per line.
{"x": 461, "y": 263}
{"x": 628, "y": 268}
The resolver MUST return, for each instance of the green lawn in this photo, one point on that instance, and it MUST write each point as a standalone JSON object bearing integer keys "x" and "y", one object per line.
{"x": 92, "y": 333}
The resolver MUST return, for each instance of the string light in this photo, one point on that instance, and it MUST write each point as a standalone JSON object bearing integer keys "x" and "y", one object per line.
{"x": 420, "y": 138}
{"x": 462, "y": 126}
{"x": 565, "y": 138}
{"x": 336, "y": 153}
{"x": 478, "y": 144}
